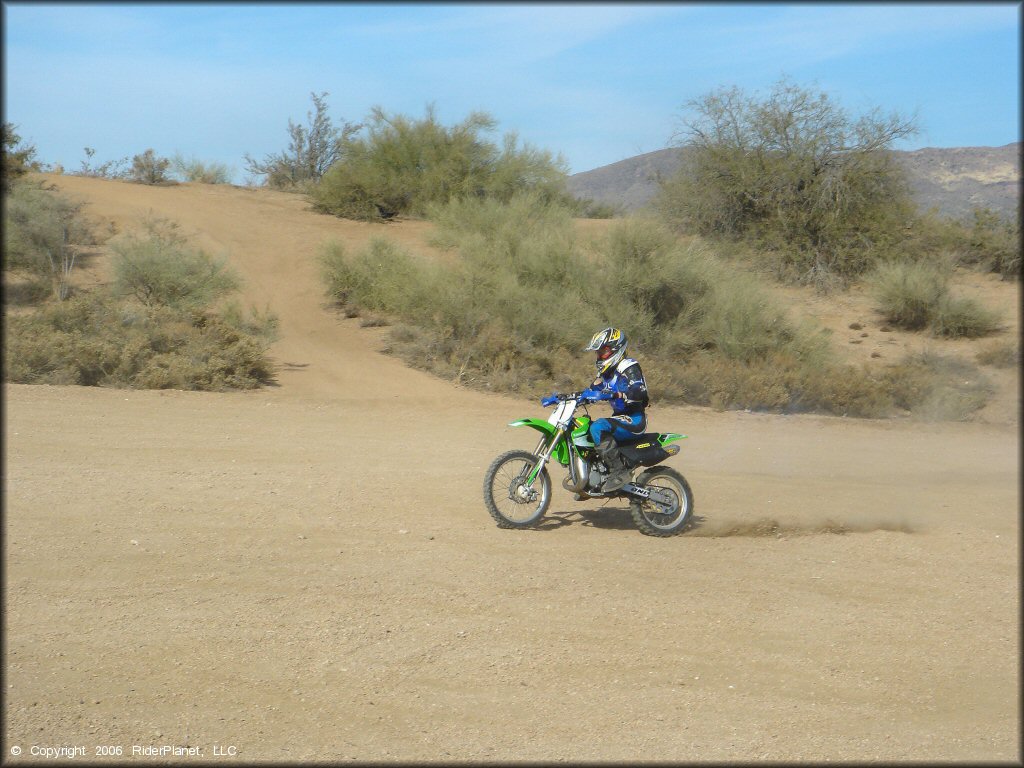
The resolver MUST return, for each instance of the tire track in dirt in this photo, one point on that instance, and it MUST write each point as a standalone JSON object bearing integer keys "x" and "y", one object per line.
{"x": 770, "y": 527}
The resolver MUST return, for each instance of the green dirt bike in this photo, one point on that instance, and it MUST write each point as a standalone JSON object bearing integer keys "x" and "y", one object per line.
{"x": 517, "y": 487}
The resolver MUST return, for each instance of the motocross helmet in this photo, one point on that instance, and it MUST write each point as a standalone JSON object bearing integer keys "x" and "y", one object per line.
{"x": 610, "y": 345}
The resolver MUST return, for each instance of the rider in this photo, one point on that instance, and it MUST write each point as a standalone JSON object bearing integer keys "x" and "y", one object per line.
{"x": 620, "y": 380}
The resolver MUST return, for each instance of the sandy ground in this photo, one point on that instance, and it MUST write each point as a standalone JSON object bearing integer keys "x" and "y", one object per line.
{"x": 307, "y": 572}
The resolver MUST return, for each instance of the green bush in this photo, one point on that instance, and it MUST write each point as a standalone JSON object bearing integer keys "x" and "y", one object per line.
{"x": 995, "y": 242}
{"x": 403, "y": 166}
{"x": 154, "y": 328}
{"x": 520, "y": 297}
{"x": 794, "y": 173}
{"x": 907, "y": 292}
{"x": 915, "y": 295}
{"x": 44, "y": 235}
{"x": 990, "y": 242}
{"x": 147, "y": 168}
{"x": 25, "y": 290}
{"x": 959, "y": 317}
{"x": 19, "y": 158}
{"x": 160, "y": 268}
{"x": 381, "y": 278}
{"x": 97, "y": 341}
{"x": 592, "y": 209}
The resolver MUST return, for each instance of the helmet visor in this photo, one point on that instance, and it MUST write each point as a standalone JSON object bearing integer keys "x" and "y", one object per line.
{"x": 605, "y": 352}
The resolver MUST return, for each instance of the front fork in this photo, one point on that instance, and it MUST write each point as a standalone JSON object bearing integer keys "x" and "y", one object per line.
{"x": 543, "y": 451}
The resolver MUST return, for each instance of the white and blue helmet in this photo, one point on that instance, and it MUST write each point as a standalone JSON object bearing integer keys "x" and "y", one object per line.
{"x": 610, "y": 345}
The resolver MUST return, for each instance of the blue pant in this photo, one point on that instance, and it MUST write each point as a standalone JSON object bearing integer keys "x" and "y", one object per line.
{"x": 621, "y": 427}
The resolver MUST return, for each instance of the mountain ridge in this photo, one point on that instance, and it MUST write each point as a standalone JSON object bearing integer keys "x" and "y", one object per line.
{"x": 952, "y": 181}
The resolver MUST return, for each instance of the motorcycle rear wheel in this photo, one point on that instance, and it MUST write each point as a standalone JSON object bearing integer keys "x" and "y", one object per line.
{"x": 509, "y": 500}
{"x": 647, "y": 516}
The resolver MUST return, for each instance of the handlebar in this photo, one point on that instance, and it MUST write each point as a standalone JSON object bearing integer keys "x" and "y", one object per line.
{"x": 554, "y": 397}
{"x": 586, "y": 396}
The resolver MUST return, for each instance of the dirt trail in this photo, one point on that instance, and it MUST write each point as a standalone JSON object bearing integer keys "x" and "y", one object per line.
{"x": 307, "y": 572}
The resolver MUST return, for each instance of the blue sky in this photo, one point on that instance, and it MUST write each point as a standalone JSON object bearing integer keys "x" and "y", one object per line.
{"x": 594, "y": 82}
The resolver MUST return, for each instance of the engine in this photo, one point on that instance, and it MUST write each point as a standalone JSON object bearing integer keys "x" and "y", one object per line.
{"x": 598, "y": 473}
{"x": 585, "y": 475}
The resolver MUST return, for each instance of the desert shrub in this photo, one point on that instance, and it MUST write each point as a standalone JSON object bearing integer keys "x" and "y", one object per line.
{"x": 994, "y": 242}
{"x": 989, "y": 242}
{"x": 111, "y": 169}
{"x": 382, "y": 277}
{"x": 160, "y": 268}
{"x": 519, "y": 297}
{"x": 915, "y": 295}
{"x": 680, "y": 297}
{"x": 960, "y": 317}
{"x": 313, "y": 148}
{"x": 506, "y": 223}
{"x": 515, "y": 306}
{"x": 335, "y": 272}
{"x": 261, "y": 323}
{"x": 793, "y": 172}
{"x": 933, "y": 387}
{"x": 503, "y": 310}
{"x": 593, "y": 209}
{"x": 195, "y": 170}
{"x": 19, "y": 157}
{"x": 780, "y": 383}
{"x": 155, "y": 327}
{"x": 44, "y": 235}
{"x": 907, "y": 292}
{"x": 517, "y": 265}
{"x": 841, "y": 389}
{"x": 1000, "y": 354}
{"x": 147, "y": 168}
{"x": 95, "y": 340}
{"x": 402, "y": 166}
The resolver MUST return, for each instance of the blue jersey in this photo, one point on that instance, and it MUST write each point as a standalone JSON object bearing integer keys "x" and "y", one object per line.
{"x": 625, "y": 379}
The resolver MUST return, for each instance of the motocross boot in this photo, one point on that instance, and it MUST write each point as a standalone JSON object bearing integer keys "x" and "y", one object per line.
{"x": 618, "y": 470}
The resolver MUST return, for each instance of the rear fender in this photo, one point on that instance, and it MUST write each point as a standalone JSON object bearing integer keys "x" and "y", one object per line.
{"x": 665, "y": 438}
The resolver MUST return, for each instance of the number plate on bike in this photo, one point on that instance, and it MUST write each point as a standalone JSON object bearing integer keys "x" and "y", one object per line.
{"x": 562, "y": 413}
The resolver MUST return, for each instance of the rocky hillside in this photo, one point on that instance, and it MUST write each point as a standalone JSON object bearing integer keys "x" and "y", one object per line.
{"x": 953, "y": 181}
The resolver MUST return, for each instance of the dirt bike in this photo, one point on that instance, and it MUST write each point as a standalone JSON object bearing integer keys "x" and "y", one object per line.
{"x": 517, "y": 487}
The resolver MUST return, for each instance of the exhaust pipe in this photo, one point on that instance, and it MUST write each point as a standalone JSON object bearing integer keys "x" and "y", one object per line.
{"x": 579, "y": 472}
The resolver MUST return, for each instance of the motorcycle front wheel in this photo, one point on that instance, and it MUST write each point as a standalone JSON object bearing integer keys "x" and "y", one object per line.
{"x": 654, "y": 519}
{"x": 510, "y": 501}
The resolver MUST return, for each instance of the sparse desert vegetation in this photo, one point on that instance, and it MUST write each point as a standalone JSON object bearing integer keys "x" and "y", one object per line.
{"x": 791, "y": 190}
{"x": 155, "y": 326}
